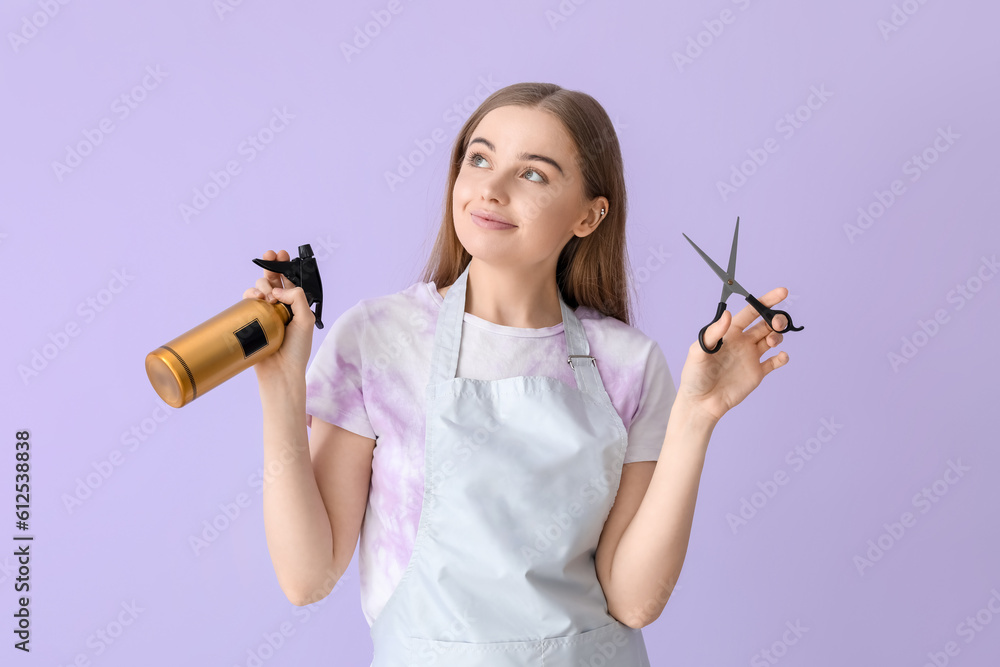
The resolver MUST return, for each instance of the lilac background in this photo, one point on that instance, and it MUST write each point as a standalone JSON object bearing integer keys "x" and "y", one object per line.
{"x": 321, "y": 181}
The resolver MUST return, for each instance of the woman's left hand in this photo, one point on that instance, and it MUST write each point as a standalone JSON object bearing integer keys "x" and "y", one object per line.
{"x": 715, "y": 383}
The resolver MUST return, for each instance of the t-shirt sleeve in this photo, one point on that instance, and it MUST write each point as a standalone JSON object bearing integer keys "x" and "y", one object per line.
{"x": 649, "y": 425}
{"x": 334, "y": 390}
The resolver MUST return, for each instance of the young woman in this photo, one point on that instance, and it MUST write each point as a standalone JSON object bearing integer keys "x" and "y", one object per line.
{"x": 512, "y": 512}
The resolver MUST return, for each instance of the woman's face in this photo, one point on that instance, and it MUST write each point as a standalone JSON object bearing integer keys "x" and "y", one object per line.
{"x": 520, "y": 166}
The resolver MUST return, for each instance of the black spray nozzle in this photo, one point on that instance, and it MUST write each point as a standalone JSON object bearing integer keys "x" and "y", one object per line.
{"x": 302, "y": 271}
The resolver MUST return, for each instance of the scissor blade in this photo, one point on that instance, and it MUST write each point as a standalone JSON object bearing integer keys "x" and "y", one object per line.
{"x": 732, "y": 253}
{"x": 715, "y": 267}
{"x": 736, "y": 287}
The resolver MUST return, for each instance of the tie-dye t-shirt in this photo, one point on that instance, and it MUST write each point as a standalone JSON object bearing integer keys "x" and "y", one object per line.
{"x": 370, "y": 373}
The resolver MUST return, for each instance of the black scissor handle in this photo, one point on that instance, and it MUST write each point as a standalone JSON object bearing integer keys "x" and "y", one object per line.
{"x": 701, "y": 334}
{"x": 769, "y": 315}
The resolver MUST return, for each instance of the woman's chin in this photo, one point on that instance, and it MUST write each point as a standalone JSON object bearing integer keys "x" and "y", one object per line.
{"x": 487, "y": 246}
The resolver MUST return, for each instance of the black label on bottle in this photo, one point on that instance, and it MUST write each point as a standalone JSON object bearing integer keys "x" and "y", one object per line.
{"x": 251, "y": 338}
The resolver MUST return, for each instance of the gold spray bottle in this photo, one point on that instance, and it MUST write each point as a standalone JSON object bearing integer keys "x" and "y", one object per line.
{"x": 214, "y": 351}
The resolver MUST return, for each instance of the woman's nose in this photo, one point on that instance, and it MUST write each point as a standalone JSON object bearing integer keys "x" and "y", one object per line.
{"x": 494, "y": 187}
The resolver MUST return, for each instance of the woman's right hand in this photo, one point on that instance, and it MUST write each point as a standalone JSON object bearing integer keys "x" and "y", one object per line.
{"x": 289, "y": 363}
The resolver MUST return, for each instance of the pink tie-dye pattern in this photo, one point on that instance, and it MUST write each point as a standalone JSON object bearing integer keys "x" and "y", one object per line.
{"x": 369, "y": 377}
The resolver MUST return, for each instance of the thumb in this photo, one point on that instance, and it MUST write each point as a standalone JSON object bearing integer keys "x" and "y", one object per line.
{"x": 718, "y": 329}
{"x": 296, "y": 298}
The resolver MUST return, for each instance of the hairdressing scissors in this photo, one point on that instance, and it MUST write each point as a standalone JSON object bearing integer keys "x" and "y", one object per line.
{"x": 729, "y": 286}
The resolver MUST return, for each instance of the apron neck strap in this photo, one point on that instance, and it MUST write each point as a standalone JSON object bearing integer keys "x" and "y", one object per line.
{"x": 448, "y": 336}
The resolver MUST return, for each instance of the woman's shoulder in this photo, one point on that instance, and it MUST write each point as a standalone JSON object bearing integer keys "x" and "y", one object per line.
{"x": 417, "y": 295}
{"x": 385, "y": 312}
{"x": 626, "y": 344}
{"x": 610, "y": 326}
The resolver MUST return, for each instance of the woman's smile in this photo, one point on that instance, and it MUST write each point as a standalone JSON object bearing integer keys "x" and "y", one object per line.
{"x": 490, "y": 222}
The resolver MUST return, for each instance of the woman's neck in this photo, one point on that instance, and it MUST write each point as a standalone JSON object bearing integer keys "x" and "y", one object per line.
{"x": 511, "y": 299}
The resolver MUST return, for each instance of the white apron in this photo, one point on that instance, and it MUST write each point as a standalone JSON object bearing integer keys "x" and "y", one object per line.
{"x": 519, "y": 477}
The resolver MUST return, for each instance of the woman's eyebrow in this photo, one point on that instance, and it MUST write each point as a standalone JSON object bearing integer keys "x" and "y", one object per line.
{"x": 522, "y": 156}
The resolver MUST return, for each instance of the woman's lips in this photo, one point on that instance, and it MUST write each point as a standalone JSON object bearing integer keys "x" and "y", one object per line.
{"x": 490, "y": 224}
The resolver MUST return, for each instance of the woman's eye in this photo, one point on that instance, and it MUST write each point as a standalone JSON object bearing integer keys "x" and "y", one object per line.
{"x": 541, "y": 179}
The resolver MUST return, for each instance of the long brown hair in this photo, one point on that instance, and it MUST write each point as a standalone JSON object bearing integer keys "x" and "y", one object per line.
{"x": 592, "y": 270}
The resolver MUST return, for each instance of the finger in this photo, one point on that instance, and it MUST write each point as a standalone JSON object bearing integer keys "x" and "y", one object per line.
{"x": 265, "y": 287}
{"x": 253, "y": 293}
{"x": 771, "y": 363}
{"x": 284, "y": 257}
{"x": 772, "y": 339}
{"x": 716, "y": 330}
{"x": 761, "y": 329}
{"x": 273, "y": 277}
{"x": 746, "y": 316}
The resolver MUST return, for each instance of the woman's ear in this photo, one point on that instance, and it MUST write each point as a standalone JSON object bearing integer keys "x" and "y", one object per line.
{"x": 596, "y": 213}
{"x": 603, "y": 207}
